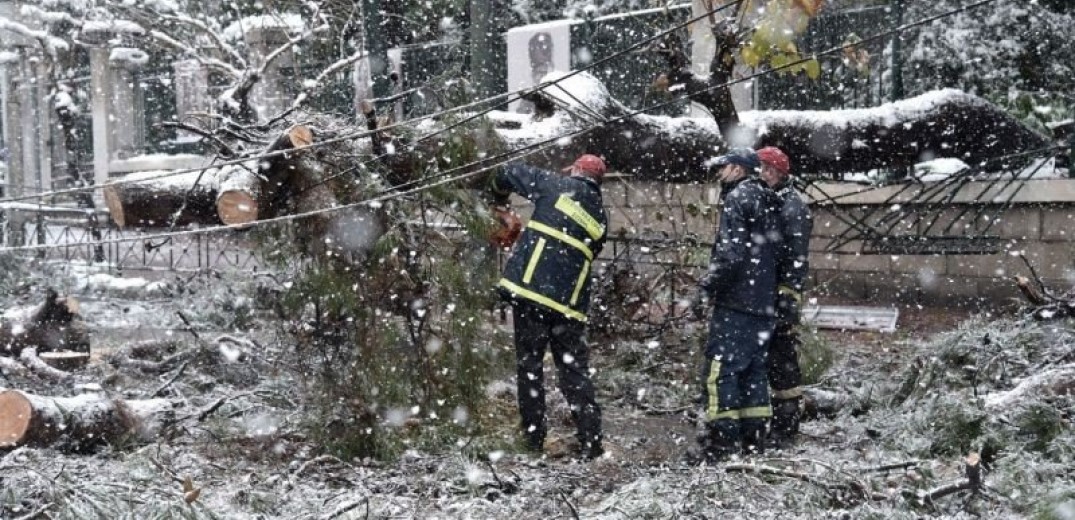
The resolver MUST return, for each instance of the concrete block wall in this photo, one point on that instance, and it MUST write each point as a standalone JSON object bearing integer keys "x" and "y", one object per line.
{"x": 1044, "y": 233}
{"x": 1040, "y": 224}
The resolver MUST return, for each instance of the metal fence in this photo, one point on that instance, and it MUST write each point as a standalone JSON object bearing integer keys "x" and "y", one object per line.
{"x": 73, "y": 235}
{"x": 630, "y": 76}
{"x": 861, "y": 77}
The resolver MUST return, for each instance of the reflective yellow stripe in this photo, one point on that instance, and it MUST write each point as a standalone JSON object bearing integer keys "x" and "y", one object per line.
{"x": 544, "y": 300}
{"x": 790, "y": 393}
{"x": 712, "y": 412}
{"x": 726, "y": 414}
{"x": 534, "y": 258}
{"x": 756, "y": 412}
{"x": 581, "y": 281}
{"x": 561, "y": 236}
{"x": 784, "y": 289}
{"x": 574, "y": 211}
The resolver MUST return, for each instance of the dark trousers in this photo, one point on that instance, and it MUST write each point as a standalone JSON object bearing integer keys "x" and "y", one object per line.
{"x": 785, "y": 378}
{"x": 735, "y": 385}
{"x": 536, "y": 330}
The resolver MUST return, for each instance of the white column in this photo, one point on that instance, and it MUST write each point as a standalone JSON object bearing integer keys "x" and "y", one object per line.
{"x": 191, "y": 94}
{"x": 45, "y": 123}
{"x": 100, "y": 104}
{"x": 31, "y": 176}
{"x": 12, "y": 112}
{"x": 269, "y": 95}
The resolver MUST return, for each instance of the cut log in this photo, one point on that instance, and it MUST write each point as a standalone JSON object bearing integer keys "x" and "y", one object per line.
{"x": 30, "y": 358}
{"x": 823, "y": 144}
{"x": 65, "y": 360}
{"x": 1053, "y": 381}
{"x": 180, "y": 200}
{"x": 78, "y": 422}
{"x": 239, "y": 192}
{"x": 819, "y": 403}
{"x": 52, "y": 325}
{"x": 259, "y": 190}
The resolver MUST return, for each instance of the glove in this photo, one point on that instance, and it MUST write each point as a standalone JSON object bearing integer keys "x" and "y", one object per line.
{"x": 507, "y": 229}
{"x": 501, "y": 199}
{"x": 788, "y": 308}
{"x": 700, "y": 305}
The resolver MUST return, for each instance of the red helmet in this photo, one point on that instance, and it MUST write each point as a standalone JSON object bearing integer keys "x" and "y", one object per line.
{"x": 589, "y": 165}
{"x": 776, "y": 158}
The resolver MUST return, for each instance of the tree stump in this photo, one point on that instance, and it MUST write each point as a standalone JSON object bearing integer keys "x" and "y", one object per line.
{"x": 51, "y": 326}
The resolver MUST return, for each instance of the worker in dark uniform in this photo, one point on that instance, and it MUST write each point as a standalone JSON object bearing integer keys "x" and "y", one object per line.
{"x": 796, "y": 224}
{"x": 741, "y": 285}
{"x": 547, "y": 281}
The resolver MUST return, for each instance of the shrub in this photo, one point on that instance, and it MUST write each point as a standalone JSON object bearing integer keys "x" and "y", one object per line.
{"x": 816, "y": 355}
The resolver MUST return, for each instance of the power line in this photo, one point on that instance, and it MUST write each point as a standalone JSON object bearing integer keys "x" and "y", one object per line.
{"x": 524, "y": 151}
{"x": 492, "y": 101}
{"x": 758, "y": 74}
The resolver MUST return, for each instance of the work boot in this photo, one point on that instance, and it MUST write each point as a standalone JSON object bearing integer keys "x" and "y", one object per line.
{"x": 533, "y": 443}
{"x": 753, "y": 431}
{"x": 592, "y": 450}
{"x": 785, "y": 425}
{"x": 715, "y": 443}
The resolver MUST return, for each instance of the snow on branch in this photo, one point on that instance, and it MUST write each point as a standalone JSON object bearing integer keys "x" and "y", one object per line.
{"x": 217, "y": 38}
{"x": 50, "y": 43}
{"x": 309, "y": 85}
{"x": 279, "y": 51}
{"x": 888, "y": 114}
{"x": 36, "y": 13}
{"x": 190, "y": 51}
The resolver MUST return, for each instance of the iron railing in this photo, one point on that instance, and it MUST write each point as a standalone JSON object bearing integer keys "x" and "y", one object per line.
{"x": 75, "y": 235}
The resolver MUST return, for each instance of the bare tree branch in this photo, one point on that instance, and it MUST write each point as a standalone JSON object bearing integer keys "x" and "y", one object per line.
{"x": 189, "y": 51}
{"x": 201, "y": 26}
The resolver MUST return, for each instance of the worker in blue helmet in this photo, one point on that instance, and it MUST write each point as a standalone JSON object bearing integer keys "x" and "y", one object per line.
{"x": 740, "y": 285}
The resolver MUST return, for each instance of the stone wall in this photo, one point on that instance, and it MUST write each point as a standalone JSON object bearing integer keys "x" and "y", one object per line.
{"x": 1040, "y": 223}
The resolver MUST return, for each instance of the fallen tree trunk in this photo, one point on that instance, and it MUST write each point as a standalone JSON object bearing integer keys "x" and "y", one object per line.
{"x": 51, "y": 326}
{"x": 80, "y": 422}
{"x": 945, "y": 123}
{"x": 259, "y": 190}
{"x": 180, "y": 200}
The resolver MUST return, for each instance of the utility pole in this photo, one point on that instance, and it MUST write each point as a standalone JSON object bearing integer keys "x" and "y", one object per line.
{"x": 377, "y": 54}
{"x": 897, "y": 51}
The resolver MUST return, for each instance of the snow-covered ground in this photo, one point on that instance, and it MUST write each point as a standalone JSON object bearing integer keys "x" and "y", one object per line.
{"x": 244, "y": 443}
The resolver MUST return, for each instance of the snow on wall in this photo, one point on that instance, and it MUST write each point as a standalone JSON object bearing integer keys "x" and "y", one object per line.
{"x": 292, "y": 22}
{"x": 128, "y": 56}
{"x": 112, "y": 26}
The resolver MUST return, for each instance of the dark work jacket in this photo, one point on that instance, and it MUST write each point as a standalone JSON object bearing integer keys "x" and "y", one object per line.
{"x": 796, "y": 226}
{"x": 550, "y": 264}
{"x": 742, "y": 267}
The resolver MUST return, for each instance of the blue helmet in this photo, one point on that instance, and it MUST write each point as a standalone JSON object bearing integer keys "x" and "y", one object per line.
{"x": 743, "y": 156}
